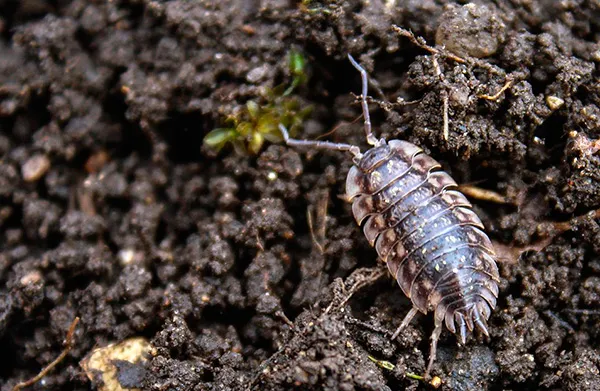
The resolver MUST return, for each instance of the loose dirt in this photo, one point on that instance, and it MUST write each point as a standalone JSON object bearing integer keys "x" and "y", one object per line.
{"x": 111, "y": 210}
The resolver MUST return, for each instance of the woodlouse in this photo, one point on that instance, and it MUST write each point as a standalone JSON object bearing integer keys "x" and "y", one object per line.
{"x": 422, "y": 228}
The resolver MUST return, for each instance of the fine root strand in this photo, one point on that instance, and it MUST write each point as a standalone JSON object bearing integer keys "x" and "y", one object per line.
{"x": 68, "y": 346}
{"x": 484, "y": 194}
{"x": 497, "y": 95}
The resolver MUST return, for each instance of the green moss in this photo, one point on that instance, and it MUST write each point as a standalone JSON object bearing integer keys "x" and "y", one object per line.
{"x": 256, "y": 123}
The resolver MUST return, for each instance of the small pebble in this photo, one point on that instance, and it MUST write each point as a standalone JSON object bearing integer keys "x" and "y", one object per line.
{"x": 554, "y": 102}
{"x": 32, "y": 277}
{"x": 257, "y": 74}
{"x": 129, "y": 256}
{"x": 436, "y": 382}
{"x": 35, "y": 167}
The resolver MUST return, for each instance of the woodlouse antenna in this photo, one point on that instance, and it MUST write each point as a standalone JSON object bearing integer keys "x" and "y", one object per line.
{"x": 371, "y": 139}
{"x": 353, "y": 149}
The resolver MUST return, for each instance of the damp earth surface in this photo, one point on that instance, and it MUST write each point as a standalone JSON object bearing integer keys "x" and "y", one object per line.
{"x": 238, "y": 268}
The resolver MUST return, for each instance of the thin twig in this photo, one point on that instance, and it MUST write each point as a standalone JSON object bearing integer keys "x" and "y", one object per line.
{"x": 374, "y": 276}
{"x": 318, "y": 233}
{"x": 560, "y": 321}
{"x": 440, "y": 75}
{"x": 505, "y": 87}
{"x": 511, "y": 253}
{"x": 68, "y": 345}
{"x": 483, "y": 194}
{"x": 420, "y": 42}
{"x": 368, "y": 326}
{"x": 564, "y": 226}
{"x": 263, "y": 368}
{"x": 388, "y": 106}
{"x": 446, "y": 129}
{"x": 281, "y": 315}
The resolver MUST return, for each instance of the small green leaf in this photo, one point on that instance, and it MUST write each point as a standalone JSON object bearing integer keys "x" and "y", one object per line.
{"x": 274, "y": 137}
{"x": 289, "y": 105}
{"x": 267, "y": 124}
{"x": 255, "y": 143}
{"x": 297, "y": 67}
{"x": 253, "y": 109}
{"x": 217, "y": 138}
{"x": 277, "y": 91}
{"x": 239, "y": 147}
{"x": 297, "y": 63}
{"x": 245, "y": 129}
{"x": 382, "y": 363}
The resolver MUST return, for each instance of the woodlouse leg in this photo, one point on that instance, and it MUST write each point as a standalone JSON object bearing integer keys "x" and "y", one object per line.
{"x": 411, "y": 314}
{"x": 371, "y": 139}
{"x": 353, "y": 149}
{"x": 435, "y": 336}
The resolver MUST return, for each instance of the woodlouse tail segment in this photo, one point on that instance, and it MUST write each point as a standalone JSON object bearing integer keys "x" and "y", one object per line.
{"x": 479, "y": 319}
{"x": 353, "y": 149}
{"x": 461, "y": 323}
{"x": 464, "y": 322}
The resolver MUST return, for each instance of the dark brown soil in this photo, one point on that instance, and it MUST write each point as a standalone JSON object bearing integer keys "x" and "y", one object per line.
{"x": 111, "y": 210}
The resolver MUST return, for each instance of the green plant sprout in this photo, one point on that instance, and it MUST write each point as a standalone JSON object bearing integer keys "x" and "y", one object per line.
{"x": 435, "y": 382}
{"x": 382, "y": 363}
{"x": 297, "y": 68}
{"x": 254, "y": 124}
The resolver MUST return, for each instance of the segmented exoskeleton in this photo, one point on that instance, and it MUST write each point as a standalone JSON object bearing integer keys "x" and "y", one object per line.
{"x": 422, "y": 228}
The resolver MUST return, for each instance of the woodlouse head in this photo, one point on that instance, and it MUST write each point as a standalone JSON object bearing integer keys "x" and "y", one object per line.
{"x": 373, "y": 157}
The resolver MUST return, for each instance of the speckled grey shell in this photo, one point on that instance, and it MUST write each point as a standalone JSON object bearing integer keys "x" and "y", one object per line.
{"x": 425, "y": 231}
